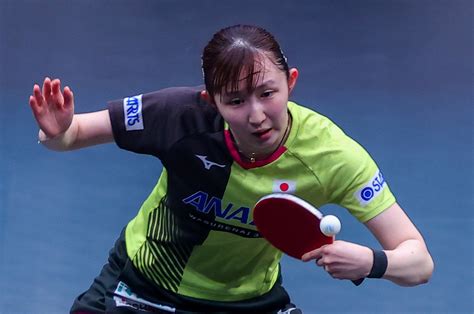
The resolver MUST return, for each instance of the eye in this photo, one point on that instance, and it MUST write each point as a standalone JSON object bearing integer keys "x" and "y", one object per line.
{"x": 267, "y": 93}
{"x": 235, "y": 101}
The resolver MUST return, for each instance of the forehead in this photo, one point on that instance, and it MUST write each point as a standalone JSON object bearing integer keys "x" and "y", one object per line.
{"x": 251, "y": 77}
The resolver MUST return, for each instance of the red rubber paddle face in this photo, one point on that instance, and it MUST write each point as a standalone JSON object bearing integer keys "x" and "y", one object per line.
{"x": 289, "y": 224}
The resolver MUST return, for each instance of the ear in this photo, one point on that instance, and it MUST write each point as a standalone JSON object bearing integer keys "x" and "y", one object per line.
{"x": 292, "y": 79}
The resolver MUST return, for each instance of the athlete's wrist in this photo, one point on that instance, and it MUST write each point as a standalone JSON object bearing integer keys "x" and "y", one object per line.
{"x": 43, "y": 138}
{"x": 379, "y": 264}
{"x": 59, "y": 142}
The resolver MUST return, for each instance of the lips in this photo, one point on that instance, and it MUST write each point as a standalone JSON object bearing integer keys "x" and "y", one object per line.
{"x": 263, "y": 134}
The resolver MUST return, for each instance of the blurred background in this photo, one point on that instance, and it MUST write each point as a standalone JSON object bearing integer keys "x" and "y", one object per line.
{"x": 396, "y": 75}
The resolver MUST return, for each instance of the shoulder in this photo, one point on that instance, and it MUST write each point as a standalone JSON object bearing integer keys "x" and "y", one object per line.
{"x": 349, "y": 175}
{"x": 168, "y": 96}
{"x": 172, "y": 103}
{"x": 316, "y": 133}
{"x": 325, "y": 147}
{"x": 175, "y": 96}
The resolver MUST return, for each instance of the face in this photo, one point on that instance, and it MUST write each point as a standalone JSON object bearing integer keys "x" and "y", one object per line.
{"x": 258, "y": 119}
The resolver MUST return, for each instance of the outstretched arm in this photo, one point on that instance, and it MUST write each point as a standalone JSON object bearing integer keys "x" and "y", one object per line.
{"x": 60, "y": 128}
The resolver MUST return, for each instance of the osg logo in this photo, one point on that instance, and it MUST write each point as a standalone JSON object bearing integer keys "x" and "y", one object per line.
{"x": 371, "y": 189}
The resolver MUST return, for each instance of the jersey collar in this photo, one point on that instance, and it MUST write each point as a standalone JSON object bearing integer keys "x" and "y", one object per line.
{"x": 274, "y": 156}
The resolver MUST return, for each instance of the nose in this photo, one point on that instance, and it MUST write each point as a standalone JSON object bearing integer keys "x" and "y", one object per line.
{"x": 257, "y": 113}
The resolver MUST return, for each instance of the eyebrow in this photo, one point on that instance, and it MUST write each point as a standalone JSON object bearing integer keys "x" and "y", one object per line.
{"x": 266, "y": 83}
{"x": 244, "y": 90}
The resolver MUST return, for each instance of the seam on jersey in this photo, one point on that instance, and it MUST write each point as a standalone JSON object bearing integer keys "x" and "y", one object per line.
{"x": 306, "y": 165}
{"x": 294, "y": 109}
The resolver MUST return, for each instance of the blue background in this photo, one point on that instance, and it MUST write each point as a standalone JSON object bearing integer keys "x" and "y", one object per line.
{"x": 395, "y": 75}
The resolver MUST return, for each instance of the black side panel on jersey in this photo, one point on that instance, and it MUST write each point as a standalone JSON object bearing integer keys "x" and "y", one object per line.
{"x": 197, "y": 164}
{"x": 187, "y": 135}
{"x": 172, "y": 233}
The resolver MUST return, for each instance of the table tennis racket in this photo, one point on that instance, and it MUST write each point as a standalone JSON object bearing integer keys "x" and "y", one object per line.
{"x": 291, "y": 225}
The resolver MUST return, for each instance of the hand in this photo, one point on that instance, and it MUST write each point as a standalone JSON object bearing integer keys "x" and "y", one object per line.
{"x": 343, "y": 260}
{"x": 53, "y": 109}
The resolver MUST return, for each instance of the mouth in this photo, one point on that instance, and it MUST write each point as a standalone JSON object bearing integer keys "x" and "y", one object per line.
{"x": 263, "y": 134}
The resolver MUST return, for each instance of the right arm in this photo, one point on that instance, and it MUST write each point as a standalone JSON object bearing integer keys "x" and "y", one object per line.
{"x": 60, "y": 128}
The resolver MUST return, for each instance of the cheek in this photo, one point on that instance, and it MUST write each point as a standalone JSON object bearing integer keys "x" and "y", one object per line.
{"x": 277, "y": 111}
{"x": 235, "y": 118}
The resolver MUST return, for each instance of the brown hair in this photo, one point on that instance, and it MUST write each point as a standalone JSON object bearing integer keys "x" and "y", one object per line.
{"x": 235, "y": 50}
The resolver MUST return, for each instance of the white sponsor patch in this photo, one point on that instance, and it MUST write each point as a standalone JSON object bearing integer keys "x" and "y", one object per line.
{"x": 132, "y": 109}
{"x": 284, "y": 186}
{"x": 122, "y": 302}
{"x": 124, "y": 296}
{"x": 371, "y": 189}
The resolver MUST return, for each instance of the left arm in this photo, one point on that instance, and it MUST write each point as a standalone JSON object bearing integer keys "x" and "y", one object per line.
{"x": 409, "y": 262}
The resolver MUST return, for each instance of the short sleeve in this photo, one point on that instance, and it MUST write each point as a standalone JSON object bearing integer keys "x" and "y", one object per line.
{"x": 356, "y": 182}
{"x": 150, "y": 123}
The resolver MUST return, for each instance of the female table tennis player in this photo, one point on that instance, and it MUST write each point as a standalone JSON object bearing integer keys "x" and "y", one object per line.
{"x": 192, "y": 246}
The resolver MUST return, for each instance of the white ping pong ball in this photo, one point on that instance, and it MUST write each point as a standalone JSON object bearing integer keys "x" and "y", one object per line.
{"x": 330, "y": 225}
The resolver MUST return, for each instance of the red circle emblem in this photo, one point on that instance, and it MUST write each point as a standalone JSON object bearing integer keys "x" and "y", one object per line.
{"x": 284, "y": 187}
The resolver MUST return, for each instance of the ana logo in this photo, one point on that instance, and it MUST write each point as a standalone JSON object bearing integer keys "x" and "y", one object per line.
{"x": 132, "y": 109}
{"x": 208, "y": 164}
{"x": 371, "y": 189}
{"x": 205, "y": 204}
{"x": 284, "y": 186}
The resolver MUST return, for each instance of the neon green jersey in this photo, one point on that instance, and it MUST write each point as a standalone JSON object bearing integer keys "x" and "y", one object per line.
{"x": 194, "y": 235}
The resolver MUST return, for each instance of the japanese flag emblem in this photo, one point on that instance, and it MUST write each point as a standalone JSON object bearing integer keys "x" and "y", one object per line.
{"x": 284, "y": 186}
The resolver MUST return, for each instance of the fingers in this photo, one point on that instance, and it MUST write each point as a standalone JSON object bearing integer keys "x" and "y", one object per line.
{"x": 50, "y": 94}
{"x": 68, "y": 98}
{"x": 327, "y": 264}
{"x": 51, "y": 88}
{"x": 321, "y": 257}
{"x": 36, "y": 99}
{"x": 332, "y": 271}
{"x": 34, "y": 105}
{"x": 315, "y": 254}
{"x": 57, "y": 96}
{"x": 341, "y": 260}
{"x": 47, "y": 89}
{"x": 56, "y": 86}
{"x": 37, "y": 95}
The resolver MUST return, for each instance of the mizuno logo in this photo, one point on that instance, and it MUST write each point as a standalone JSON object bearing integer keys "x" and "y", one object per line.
{"x": 208, "y": 164}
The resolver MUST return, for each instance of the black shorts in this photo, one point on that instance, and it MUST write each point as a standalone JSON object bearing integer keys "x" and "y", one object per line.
{"x": 120, "y": 288}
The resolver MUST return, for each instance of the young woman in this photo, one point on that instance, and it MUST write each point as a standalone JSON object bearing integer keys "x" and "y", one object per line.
{"x": 193, "y": 246}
